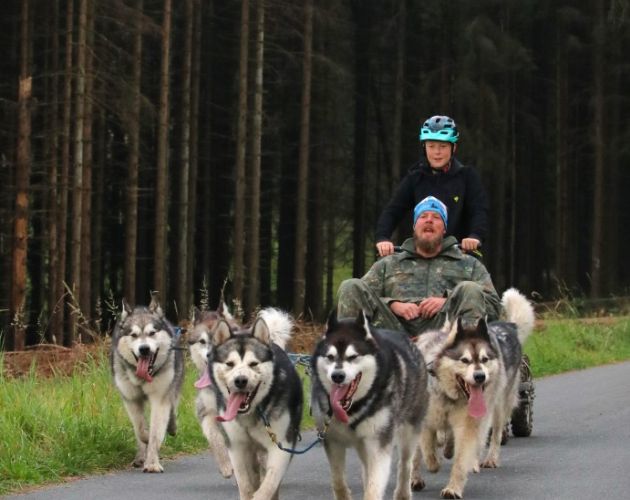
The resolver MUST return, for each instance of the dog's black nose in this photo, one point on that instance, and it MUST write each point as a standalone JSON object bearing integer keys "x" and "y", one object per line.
{"x": 240, "y": 382}
{"x": 480, "y": 377}
{"x": 338, "y": 377}
{"x": 144, "y": 350}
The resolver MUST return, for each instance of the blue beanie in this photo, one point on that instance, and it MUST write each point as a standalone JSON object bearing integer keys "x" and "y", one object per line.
{"x": 431, "y": 204}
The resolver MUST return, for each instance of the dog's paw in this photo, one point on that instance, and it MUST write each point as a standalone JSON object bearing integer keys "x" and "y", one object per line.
{"x": 417, "y": 484}
{"x": 490, "y": 463}
{"x": 402, "y": 495}
{"x": 154, "y": 467}
{"x": 451, "y": 493}
{"x": 432, "y": 462}
{"x": 137, "y": 462}
{"x": 476, "y": 468}
{"x": 342, "y": 493}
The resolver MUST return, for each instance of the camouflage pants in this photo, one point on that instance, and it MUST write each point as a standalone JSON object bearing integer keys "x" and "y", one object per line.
{"x": 467, "y": 300}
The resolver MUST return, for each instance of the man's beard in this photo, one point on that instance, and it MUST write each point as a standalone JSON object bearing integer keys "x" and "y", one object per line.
{"x": 426, "y": 245}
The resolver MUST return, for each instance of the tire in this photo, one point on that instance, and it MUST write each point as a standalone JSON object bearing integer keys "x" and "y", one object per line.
{"x": 522, "y": 420}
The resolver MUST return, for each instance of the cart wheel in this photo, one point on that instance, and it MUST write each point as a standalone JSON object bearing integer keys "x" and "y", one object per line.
{"x": 522, "y": 420}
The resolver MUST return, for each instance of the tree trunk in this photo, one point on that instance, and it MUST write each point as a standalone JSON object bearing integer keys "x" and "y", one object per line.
{"x": 301, "y": 219}
{"x": 194, "y": 145}
{"x": 362, "y": 86}
{"x": 182, "y": 285}
{"x": 599, "y": 144}
{"x": 22, "y": 185}
{"x": 58, "y": 319}
{"x": 86, "y": 221}
{"x": 399, "y": 95}
{"x": 253, "y": 237}
{"x": 161, "y": 188}
{"x": 53, "y": 212}
{"x": 131, "y": 217}
{"x": 239, "y": 170}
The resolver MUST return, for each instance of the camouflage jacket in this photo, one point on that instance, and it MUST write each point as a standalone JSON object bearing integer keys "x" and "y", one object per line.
{"x": 409, "y": 277}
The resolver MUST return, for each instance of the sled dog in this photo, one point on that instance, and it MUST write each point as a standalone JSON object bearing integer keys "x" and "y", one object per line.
{"x": 369, "y": 390}
{"x": 256, "y": 385}
{"x": 145, "y": 368}
{"x": 474, "y": 387}
{"x": 200, "y": 343}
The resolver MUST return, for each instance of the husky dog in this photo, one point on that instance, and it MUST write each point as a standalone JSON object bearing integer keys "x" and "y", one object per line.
{"x": 200, "y": 343}
{"x": 369, "y": 390}
{"x": 146, "y": 367}
{"x": 474, "y": 387}
{"x": 258, "y": 392}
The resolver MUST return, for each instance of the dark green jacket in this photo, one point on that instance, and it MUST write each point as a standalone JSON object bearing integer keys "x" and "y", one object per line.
{"x": 408, "y": 277}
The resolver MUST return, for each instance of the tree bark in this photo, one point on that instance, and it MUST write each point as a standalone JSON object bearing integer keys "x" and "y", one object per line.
{"x": 161, "y": 188}
{"x": 77, "y": 182}
{"x": 131, "y": 217}
{"x": 301, "y": 219}
{"x": 22, "y": 184}
{"x": 239, "y": 170}
{"x": 182, "y": 285}
{"x": 253, "y": 249}
{"x": 599, "y": 211}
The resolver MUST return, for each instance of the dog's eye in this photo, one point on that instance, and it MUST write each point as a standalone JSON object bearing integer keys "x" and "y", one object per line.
{"x": 202, "y": 341}
{"x": 133, "y": 335}
{"x": 352, "y": 357}
{"x": 465, "y": 360}
{"x": 484, "y": 359}
{"x": 151, "y": 333}
{"x": 330, "y": 358}
{"x": 253, "y": 364}
{"x": 230, "y": 364}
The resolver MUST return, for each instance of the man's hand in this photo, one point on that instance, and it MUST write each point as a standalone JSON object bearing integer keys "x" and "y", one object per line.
{"x": 406, "y": 310}
{"x": 430, "y": 306}
{"x": 470, "y": 244}
{"x": 385, "y": 248}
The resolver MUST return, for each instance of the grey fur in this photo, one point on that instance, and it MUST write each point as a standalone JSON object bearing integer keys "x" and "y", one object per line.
{"x": 146, "y": 329}
{"x": 387, "y": 407}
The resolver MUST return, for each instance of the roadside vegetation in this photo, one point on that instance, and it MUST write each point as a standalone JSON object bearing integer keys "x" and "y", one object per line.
{"x": 61, "y": 426}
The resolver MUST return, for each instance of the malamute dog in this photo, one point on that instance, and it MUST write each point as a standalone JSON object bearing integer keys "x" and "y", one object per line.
{"x": 474, "y": 387}
{"x": 256, "y": 386}
{"x": 200, "y": 343}
{"x": 146, "y": 367}
{"x": 369, "y": 390}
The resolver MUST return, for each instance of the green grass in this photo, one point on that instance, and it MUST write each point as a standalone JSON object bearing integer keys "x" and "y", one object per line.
{"x": 72, "y": 426}
{"x": 564, "y": 345}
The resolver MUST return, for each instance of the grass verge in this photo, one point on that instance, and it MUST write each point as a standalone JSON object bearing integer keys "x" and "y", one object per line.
{"x": 66, "y": 426}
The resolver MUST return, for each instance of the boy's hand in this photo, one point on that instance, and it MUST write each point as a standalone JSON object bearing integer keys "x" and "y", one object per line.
{"x": 385, "y": 248}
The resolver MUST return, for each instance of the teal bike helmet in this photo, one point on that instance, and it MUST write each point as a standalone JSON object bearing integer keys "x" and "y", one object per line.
{"x": 439, "y": 128}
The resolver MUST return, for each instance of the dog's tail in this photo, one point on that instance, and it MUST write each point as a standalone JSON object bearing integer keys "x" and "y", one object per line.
{"x": 520, "y": 311}
{"x": 280, "y": 325}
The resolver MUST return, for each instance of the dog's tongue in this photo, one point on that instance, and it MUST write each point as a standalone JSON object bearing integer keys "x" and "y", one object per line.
{"x": 233, "y": 404}
{"x": 476, "y": 402}
{"x": 204, "y": 380}
{"x": 337, "y": 393}
{"x": 142, "y": 369}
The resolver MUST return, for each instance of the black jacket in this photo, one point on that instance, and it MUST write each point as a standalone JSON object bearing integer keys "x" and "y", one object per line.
{"x": 460, "y": 189}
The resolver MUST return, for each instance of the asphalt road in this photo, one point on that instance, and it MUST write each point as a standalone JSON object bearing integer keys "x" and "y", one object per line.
{"x": 580, "y": 449}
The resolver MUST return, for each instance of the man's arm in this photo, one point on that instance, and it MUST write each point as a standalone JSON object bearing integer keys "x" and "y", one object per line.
{"x": 482, "y": 276}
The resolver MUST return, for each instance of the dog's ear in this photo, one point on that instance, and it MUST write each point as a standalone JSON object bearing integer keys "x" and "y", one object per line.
{"x": 224, "y": 311}
{"x": 196, "y": 315}
{"x": 221, "y": 333}
{"x": 126, "y": 309}
{"x": 154, "y": 306}
{"x": 482, "y": 329}
{"x": 457, "y": 333}
{"x": 363, "y": 321}
{"x": 332, "y": 321}
{"x": 260, "y": 331}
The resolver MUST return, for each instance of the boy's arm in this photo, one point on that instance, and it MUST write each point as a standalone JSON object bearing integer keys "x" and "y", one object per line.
{"x": 400, "y": 203}
{"x": 476, "y": 206}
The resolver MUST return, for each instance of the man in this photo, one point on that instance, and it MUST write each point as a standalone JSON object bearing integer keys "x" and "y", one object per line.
{"x": 430, "y": 280}
{"x": 441, "y": 175}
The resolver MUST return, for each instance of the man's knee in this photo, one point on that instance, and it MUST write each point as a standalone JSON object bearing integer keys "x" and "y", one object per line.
{"x": 350, "y": 286}
{"x": 468, "y": 288}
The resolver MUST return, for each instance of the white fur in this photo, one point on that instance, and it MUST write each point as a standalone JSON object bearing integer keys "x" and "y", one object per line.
{"x": 518, "y": 310}
{"x": 280, "y": 325}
